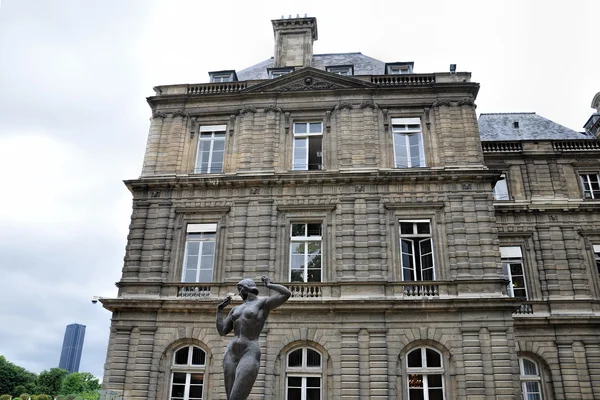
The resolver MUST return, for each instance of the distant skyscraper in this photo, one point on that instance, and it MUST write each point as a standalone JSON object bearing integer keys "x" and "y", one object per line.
{"x": 70, "y": 355}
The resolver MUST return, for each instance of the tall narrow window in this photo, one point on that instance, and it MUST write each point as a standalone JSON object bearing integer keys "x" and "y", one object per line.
{"x": 304, "y": 375}
{"x": 597, "y": 256}
{"x": 308, "y": 146}
{"x": 425, "y": 374}
{"x": 211, "y": 150}
{"x": 512, "y": 268}
{"x": 305, "y": 252}
{"x": 590, "y": 184}
{"x": 199, "y": 258}
{"x": 501, "y": 189}
{"x": 416, "y": 245}
{"x": 408, "y": 143}
{"x": 531, "y": 381}
{"x": 187, "y": 374}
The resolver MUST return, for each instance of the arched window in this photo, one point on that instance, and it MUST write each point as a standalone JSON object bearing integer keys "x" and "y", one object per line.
{"x": 303, "y": 374}
{"x": 187, "y": 374}
{"x": 531, "y": 381}
{"x": 425, "y": 374}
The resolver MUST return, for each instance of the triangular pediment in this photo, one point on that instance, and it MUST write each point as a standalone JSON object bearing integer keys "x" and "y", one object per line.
{"x": 309, "y": 78}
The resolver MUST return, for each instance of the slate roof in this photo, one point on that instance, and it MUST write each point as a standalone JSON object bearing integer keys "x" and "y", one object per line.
{"x": 501, "y": 127}
{"x": 363, "y": 65}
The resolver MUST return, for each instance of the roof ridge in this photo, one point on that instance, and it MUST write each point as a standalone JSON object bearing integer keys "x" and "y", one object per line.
{"x": 335, "y": 54}
{"x": 506, "y": 113}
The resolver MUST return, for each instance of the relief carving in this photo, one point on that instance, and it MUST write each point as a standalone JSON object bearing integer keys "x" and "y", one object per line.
{"x": 440, "y": 103}
{"x": 367, "y": 105}
{"x": 466, "y": 186}
{"x": 180, "y": 113}
{"x": 309, "y": 83}
{"x": 359, "y": 188}
{"x": 272, "y": 108}
{"x": 254, "y": 190}
{"x": 344, "y": 106}
{"x": 159, "y": 114}
{"x": 247, "y": 109}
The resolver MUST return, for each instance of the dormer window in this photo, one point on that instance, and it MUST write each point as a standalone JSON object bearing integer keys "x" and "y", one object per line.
{"x": 222, "y": 76}
{"x": 345, "y": 70}
{"x": 278, "y": 72}
{"x": 399, "y": 68}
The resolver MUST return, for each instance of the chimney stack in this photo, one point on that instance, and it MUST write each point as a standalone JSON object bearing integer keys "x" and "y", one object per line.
{"x": 294, "y": 39}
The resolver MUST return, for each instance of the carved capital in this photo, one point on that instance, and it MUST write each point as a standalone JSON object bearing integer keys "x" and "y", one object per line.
{"x": 247, "y": 109}
{"x": 359, "y": 188}
{"x": 367, "y": 104}
{"x": 467, "y": 186}
{"x": 180, "y": 113}
{"x": 159, "y": 114}
{"x": 466, "y": 102}
{"x": 272, "y": 108}
{"x": 344, "y": 106}
{"x": 440, "y": 103}
{"x": 254, "y": 191}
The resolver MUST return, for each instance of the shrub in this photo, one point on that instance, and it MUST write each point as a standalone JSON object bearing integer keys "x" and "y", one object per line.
{"x": 70, "y": 397}
{"x": 5, "y": 397}
{"x": 24, "y": 396}
{"x": 42, "y": 397}
{"x": 60, "y": 397}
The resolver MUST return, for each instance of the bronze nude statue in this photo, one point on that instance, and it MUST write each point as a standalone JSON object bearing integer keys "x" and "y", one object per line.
{"x": 242, "y": 356}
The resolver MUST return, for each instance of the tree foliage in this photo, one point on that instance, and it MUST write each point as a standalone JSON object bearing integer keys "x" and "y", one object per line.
{"x": 12, "y": 375}
{"x": 79, "y": 382}
{"x": 50, "y": 381}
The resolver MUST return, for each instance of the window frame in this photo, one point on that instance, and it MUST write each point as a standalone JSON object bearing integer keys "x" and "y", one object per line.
{"x": 212, "y": 129}
{"x": 592, "y": 196}
{"x": 416, "y": 240}
{"x": 298, "y": 136}
{"x": 336, "y": 69}
{"x": 305, "y": 239}
{"x": 222, "y": 76}
{"x": 425, "y": 371}
{"x": 497, "y": 194}
{"x": 399, "y": 68}
{"x": 275, "y": 73}
{"x": 596, "y": 252}
{"x": 507, "y": 272}
{"x": 199, "y": 228}
{"x": 524, "y": 379}
{"x": 188, "y": 369}
{"x": 405, "y": 134}
{"x": 304, "y": 371}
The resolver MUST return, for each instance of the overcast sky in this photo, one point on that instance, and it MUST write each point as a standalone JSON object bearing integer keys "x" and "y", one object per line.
{"x": 74, "y": 75}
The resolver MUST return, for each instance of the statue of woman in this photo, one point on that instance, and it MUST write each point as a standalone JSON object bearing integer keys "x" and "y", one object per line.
{"x": 242, "y": 356}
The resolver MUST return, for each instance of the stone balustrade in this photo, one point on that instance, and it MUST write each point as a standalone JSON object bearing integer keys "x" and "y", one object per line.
{"x": 404, "y": 79}
{"x": 576, "y": 145}
{"x": 501, "y": 147}
{"x": 216, "y": 88}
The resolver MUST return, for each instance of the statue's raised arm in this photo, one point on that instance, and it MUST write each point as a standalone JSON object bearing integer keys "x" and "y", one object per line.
{"x": 281, "y": 294}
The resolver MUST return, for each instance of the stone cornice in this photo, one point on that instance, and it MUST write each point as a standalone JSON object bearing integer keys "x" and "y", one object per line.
{"x": 420, "y": 175}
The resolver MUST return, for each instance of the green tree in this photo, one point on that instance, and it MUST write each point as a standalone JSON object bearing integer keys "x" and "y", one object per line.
{"x": 79, "y": 382}
{"x": 12, "y": 375}
{"x": 50, "y": 381}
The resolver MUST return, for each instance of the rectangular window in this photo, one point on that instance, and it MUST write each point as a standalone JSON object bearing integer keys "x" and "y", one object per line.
{"x": 308, "y": 146}
{"x": 408, "y": 143}
{"x": 416, "y": 245}
{"x": 279, "y": 72}
{"x": 199, "y": 260}
{"x": 211, "y": 149}
{"x": 590, "y": 183}
{"x": 597, "y": 256}
{"x": 345, "y": 70}
{"x": 512, "y": 268}
{"x": 305, "y": 252}
{"x": 501, "y": 189}
{"x": 303, "y": 388}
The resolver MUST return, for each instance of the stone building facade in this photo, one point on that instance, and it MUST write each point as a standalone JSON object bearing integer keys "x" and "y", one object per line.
{"x": 430, "y": 256}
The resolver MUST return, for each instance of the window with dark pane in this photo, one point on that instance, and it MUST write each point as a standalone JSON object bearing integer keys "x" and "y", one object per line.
{"x": 513, "y": 270}
{"x": 187, "y": 378}
{"x": 295, "y": 358}
{"x": 425, "y": 374}
{"x": 531, "y": 380}
{"x": 416, "y": 251}
{"x": 308, "y": 146}
{"x": 304, "y": 374}
{"x": 305, "y": 252}
{"x": 181, "y": 356}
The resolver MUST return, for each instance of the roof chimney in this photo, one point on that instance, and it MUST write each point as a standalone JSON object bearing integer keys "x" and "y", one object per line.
{"x": 294, "y": 39}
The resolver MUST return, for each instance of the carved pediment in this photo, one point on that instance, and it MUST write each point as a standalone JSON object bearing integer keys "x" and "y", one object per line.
{"x": 309, "y": 79}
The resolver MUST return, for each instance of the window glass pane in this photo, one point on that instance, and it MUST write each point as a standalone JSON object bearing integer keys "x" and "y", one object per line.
{"x": 532, "y": 387}
{"x": 313, "y": 358}
{"x": 208, "y": 248}
{"x": 198, "y": 356}
{"x": 205, "y": 275}
{"x": 313, "y": 275}
{"x": 415, "y": 150}
{"x": 314, "y": 229}
{"x": 191, "y": 262}
{"x": 195, "y": 392}
{"x": 516, "y": 269}
{"x": 206, "y": 262}
{"x": 193, "y": 248}
{"x": 315, "y": 161}
{"x": 529, "y": 368}
{"x": 295, "y": 358}
{"x": 297, "y": 275}
{"x": 313, "y": 394}
{"x": 434, "y": 381}
{"x": 315, "y": 127}
{"x": 423, "y": 228}
{"x": 300, "y": 128}
{"x": 219, "y": 145}
{"x": 294, "y": 394}
{"x": 414, "y": 359}
{"x": 298, "y": 229}
{"x": 415, "y": 381}
{"x": 313, "y": 382}
{"x": 436, "y": 394}
{"x": 433, "y": 358}
{"x": 406, "y": 228}
{"x": 298, "y": 247}
{"x": 297, "y": 261}
{"x": 416, "y": 394}
{"x": 179, "y": 377}
{"x": 190, "y": 275}
{"x": 196, "y": 379}
{"x": 181, "y": 356}
{"x": 294, "y": 381}
{"x": 177, "y": 391}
